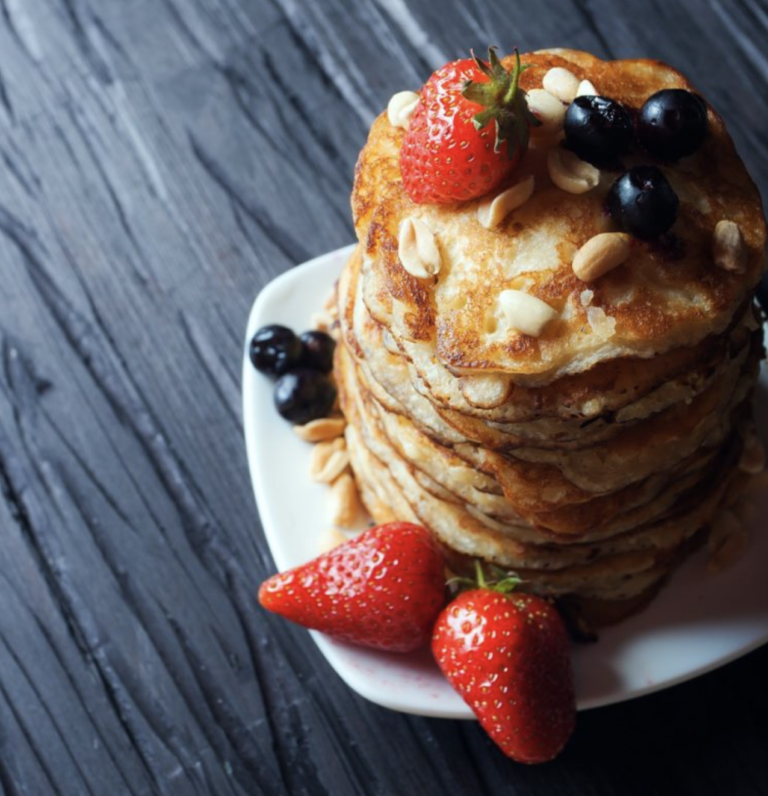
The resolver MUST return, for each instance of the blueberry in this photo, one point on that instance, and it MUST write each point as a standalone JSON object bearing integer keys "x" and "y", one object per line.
{"x": 317, "y": 352}
{"x": 597, "y": 128}
{"x": 303, "y": 395}
{"x": 672, "y": 123}
{"x": 642, "y": 202}
{"x": 274, "y": 350}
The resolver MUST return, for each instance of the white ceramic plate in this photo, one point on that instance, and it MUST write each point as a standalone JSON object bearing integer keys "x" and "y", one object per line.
{"x": 697, "y": 623}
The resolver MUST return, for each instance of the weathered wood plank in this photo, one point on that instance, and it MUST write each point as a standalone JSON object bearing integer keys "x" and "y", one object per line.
{"x": 148, "y": 188}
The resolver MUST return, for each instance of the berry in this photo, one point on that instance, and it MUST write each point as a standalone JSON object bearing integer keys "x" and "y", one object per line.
{"x": 302, "y": 395}
{"x": 317, "y": 353}
{"x": 642, "y": 202}
{"x": 382, "y": 589}
{"x": 467, "y": 133}
{"x": 597, "y": 128}
{"x": 672, "y": 123}
{"x": 508, "y": 657}
{"x": 274, "y": 350}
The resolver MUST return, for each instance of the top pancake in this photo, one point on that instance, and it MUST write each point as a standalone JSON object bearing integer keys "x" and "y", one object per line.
{"x": 662, "y": 298}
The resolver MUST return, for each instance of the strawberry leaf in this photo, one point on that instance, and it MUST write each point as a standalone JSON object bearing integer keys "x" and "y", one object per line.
{"x": 481, "y": 65}
{"x": 483, "y": 118}
{"x": 502, "y": 582}
{"x": 504, "y": 102}
{"x": 481, "y": 93}
{"x": 507, "y": 585}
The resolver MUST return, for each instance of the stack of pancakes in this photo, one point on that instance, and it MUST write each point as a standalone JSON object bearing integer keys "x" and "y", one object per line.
{"x": 586, "y": 459}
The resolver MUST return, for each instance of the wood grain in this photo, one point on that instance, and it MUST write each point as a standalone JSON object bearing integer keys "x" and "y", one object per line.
{"x": 160, "y": 160}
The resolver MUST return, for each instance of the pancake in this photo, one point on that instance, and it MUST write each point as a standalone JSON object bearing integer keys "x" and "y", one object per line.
{"x": 589, "y": 460}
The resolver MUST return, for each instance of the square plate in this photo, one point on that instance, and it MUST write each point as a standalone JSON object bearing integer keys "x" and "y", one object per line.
{"x": 697, "y": 623}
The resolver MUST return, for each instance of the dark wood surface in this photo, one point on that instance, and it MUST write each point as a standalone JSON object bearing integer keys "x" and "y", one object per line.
{"x": 161, "y": 160}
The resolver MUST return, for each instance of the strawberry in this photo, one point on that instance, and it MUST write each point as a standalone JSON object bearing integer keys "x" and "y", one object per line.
{"x": 508, "y": 657}
{"x": 382, "y": 589}
{"x": 448, "y": 154}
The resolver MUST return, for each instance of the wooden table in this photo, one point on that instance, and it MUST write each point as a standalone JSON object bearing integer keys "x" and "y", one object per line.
{"x": 160, "y": 160}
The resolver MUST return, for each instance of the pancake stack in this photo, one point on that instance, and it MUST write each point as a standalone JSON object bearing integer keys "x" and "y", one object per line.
{"x": 588, "y": 459}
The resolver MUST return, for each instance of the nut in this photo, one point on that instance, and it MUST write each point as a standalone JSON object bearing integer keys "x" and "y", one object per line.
{"x": 569, "y": 172}
{"x": 417, "y": 249}
{"x": 491, "y": 212}
{"x": 321, "y": 430}
{"x": 330, "y": 539}
{"x": 335, "y": 465}
{"x": 548, "y": 110}
{"x": 727, "y": 541}
{"x": 728, "y": 247}
{"x": 562, "y": 83}
{"x": 328, "y": 460}
{"x": 401, "y": 107}
{"x": 525, "y": 313}
{"x": 601, "y": 254}
{"x": 602, "y": 324}
{"x": 485, "y": 391}
{"x": 586, "y": 89}
{"x": 345, "y": 503}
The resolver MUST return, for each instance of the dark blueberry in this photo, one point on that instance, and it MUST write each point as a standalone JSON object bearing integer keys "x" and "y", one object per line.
{"x": 303, "y": 395}
{"x": 317, "y": 351}
{"x": 642, "y": 202}
{"x": 597, "y": 128}
{"x": 274, "y": 350}
{"x": 672, "y": 123}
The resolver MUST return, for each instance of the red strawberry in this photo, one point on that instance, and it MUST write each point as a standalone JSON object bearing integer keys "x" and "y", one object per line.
{"x": 508, "y": 657}
{"x": 382, "y": 589}
{"x": 450, "y": 153}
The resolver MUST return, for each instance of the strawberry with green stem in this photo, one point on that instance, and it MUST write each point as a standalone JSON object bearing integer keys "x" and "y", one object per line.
{"x": 507, "y": 654}
{"x": 468, "y": 132}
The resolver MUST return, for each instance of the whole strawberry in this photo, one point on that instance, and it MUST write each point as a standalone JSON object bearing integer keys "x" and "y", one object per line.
{"x": 508, "y": 657}
{"x": 382, "y": 589}
{"x": 467, "y": 133}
